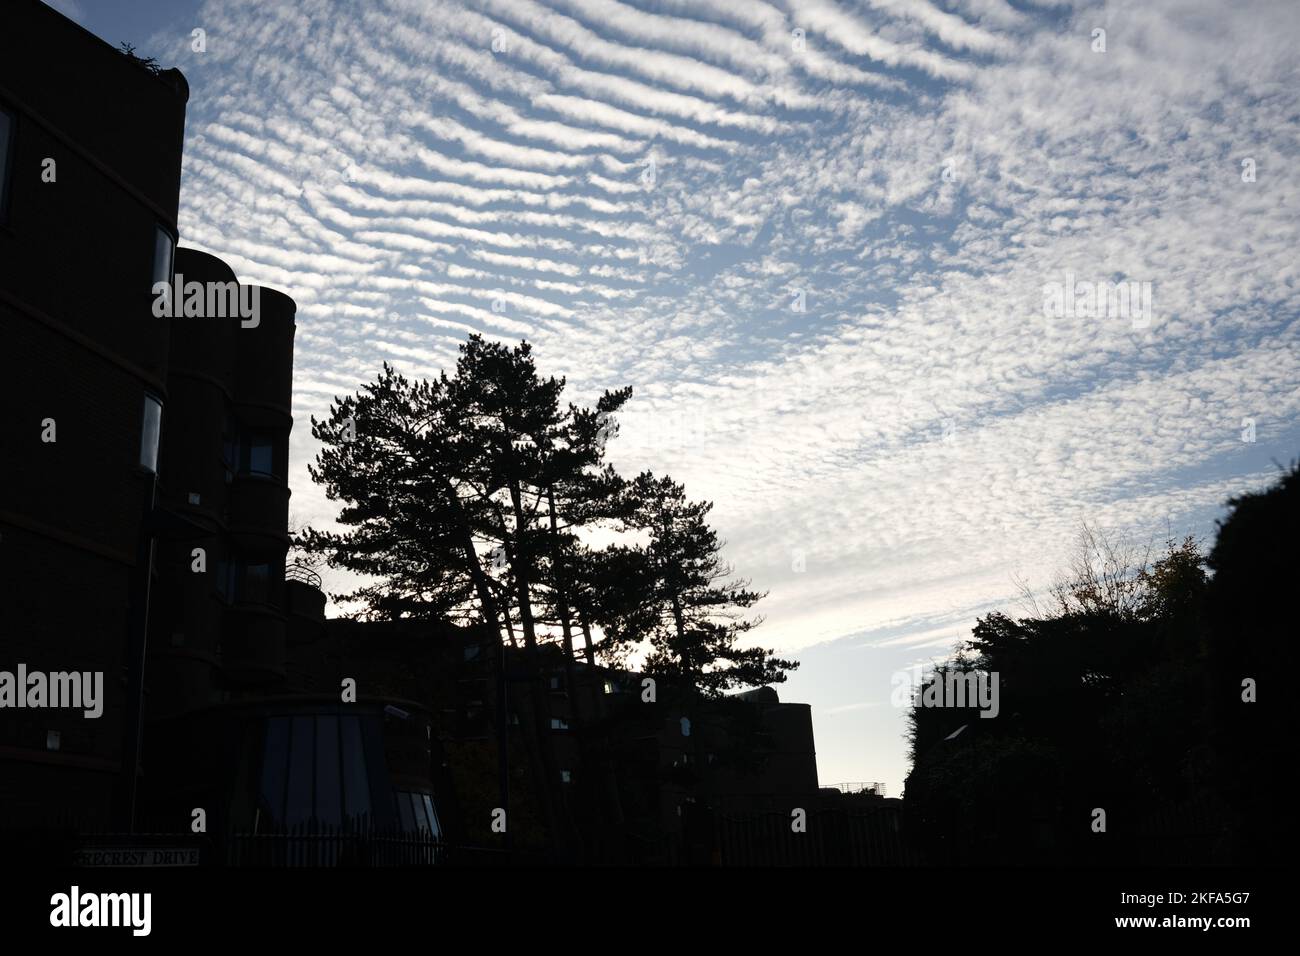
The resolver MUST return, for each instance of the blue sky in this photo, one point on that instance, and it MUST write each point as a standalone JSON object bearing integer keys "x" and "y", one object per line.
{"x": 816, "y": 237}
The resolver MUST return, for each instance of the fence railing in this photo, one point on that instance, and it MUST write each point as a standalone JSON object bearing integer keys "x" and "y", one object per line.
{"x": 302, "y": 574}
{"x": 303, "y": 845}
{"x": 829, "y": 837}
{"x": 858, "y": 786}
{"x": 328, "y": 846}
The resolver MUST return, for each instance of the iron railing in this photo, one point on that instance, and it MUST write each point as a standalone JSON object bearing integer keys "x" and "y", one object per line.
{"x": 332, "y": 846}
{"x": 302, "y": 574}
{"x": 831, "y": 837}
{"x": 858, "y": 787}
{"x": 303, "y": 845}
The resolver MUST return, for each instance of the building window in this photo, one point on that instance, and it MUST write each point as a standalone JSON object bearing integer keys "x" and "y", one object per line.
{"x": 559, "y": 723}
{"x": 255, "y": 583}
{"x": 300, "y": 798}
{"x": 240, "y": 582}
{"x": 164, "y": 247}
{"x": 257, "y": 454}
{"x": 230, "y": 448}
{"x": 566, "y": 776}
{"x": 150, "y": 432}
{"x": 7, "y": 137}
{"x": 417, "y": 814}
{"x": 247, "y": 451}
{"x": 314, "y": 768}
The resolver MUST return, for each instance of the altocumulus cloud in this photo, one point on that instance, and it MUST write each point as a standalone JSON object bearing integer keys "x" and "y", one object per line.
{"x": 815, "y": 236}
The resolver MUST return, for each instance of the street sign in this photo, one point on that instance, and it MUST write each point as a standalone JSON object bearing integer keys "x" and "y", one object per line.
{"x": 136, "y": 856}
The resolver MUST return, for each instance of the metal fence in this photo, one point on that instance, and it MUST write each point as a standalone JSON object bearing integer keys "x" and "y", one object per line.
{"x": 829, "y": 837}
{"x": 302, "y": 574}
{"x": 1195, "y": 831}
{"x": 304, "y": 845}
{"x": 330, "y": 846}
{"x": 858, "y": 786}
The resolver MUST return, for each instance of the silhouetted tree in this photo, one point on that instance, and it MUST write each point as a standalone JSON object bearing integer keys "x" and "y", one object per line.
{"x": 693, "y": 616}
{"x": 466, "y": 498}
{"x": 1102, "y": 705}
{"x": 1251, "y": 604}
{"x": 448, "y": 488}
{"x": 414, "y": 517}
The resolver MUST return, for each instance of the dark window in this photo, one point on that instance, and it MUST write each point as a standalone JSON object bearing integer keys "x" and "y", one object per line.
{"x": 225, "y": 584}
{"x": 275, "y": 758}
{"x": 417, "y": 813}
{"x": 247, "y": 451}
{"x": 244, "y": 583}
{"x": 163, "y": 248}
{"x": 255, "y": 584}
{"x": 356, "y": 788}
{"x": 433, "y": 817}
{"x": 6, "y": 148}
{"x": 315, "y": 767}
{"x": 150, "y": 430}
{"x": 230, "y": 448}
{"x": 329, "y": 792}
{"x": 258, "y": 454}
{"x": 404, "y": 811}
{"x": 298, "y": 806}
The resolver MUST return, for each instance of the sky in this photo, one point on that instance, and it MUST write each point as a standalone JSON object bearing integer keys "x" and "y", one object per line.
{"x": 841, "y": 249}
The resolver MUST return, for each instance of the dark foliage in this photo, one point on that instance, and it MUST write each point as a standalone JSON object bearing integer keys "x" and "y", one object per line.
{"x": 1129, "y": 696}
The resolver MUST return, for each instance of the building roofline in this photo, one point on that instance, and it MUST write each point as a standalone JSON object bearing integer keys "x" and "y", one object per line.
{"x": 172, "y": 78}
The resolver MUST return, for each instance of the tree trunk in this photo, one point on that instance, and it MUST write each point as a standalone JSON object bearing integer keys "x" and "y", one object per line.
{"x": 501, "y": 688}
{"x": 586, "y": 638}
{"x": 549, "y": 787}
{"x": 562, "y": 602}
{"x": 510, "y": 627}
{"x": 611, "y": 800}
{"x": 683, "y": 651}
{"x": 588, "y": 788}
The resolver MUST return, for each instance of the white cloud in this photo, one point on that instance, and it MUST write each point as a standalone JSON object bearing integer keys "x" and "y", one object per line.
{"x": 921, "y": 432}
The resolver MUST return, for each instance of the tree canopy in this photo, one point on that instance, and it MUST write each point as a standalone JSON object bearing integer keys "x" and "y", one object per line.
{"x": 1135, "y": 694}
{"x": 467, "y": 497}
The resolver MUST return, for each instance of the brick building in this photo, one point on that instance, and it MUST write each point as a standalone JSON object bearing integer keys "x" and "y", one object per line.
{"x": 144, "y": 505}
{"x": 91, "y": 182}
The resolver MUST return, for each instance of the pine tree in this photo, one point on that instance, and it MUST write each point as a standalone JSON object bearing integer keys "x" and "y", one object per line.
{"x": 695, "y": 614}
